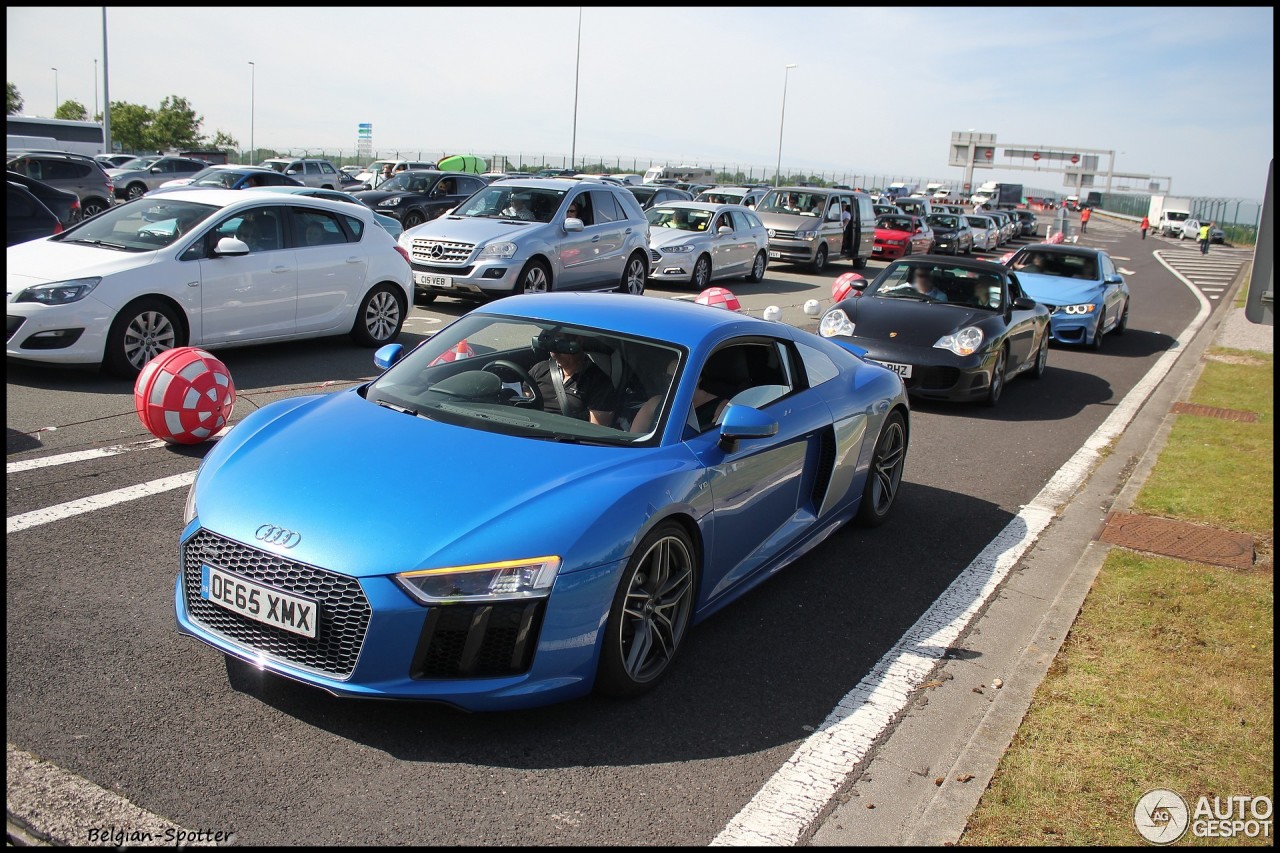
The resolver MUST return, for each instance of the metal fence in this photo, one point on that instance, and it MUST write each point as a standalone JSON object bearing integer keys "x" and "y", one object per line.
{"x": 1238, "y": 217}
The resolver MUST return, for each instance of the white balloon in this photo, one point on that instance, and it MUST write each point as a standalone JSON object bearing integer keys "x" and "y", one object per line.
{"x": 773, "y": 312}
{"x": 812, "y": 308}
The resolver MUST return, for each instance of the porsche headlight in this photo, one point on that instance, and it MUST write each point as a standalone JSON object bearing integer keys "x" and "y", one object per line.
{"x": 498, "y": 250}
{"x": 678, "y": 250}
{"x": 59, "y": 292}
{"x": 1087, "y": 308}
{"x": 391, "y": 202}
{"x": 964, "y": 342}
{"x": 835, "y": 322}
{"x": 509, "y": 580}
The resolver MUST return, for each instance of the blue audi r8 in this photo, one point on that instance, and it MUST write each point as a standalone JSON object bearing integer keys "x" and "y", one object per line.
{"x": 537, "y": 501}
{"x": 1084, "y": 292}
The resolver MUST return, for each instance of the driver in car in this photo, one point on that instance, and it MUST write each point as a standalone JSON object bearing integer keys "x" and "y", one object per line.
{"x": 570, "y": 382}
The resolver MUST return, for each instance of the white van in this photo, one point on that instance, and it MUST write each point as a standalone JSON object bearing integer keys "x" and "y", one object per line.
{"x": 687, "y": 174}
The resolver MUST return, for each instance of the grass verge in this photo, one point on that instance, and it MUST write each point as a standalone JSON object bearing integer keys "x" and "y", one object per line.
{"x": 1166, "y": 679}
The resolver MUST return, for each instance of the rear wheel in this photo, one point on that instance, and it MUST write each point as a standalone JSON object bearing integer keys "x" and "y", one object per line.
{"x": 141, "y": 331}
{"x": 534, "y": 278}
{"x": 885, "y": 474}
{"x": 634, "y": 275}
{"x": 820, "y": 259}
{"x": 996, "y": 386}
{"x": 1042, "y": 356}
{"x": 92, "y": 207}
{"x": 650, "y": 613}
{"x": 379, "y": 318}
{"x": 412, "y": 219}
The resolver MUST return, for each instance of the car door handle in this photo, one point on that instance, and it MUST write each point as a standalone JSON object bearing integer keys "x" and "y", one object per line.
{"x": 354, "y": 260}
{"x": 280, "y": 268}
{"x": 595, "y": 239}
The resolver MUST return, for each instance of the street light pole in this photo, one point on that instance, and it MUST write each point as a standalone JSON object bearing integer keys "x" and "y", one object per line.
{"x": 56, "y": 102}
{"x": 95, "y": 88}
{"x": 777, "y": 175}
{"x": 573, "y": 151}
{"x": 253, "y": 81}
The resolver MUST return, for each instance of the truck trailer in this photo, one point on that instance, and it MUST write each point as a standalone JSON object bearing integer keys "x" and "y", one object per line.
{"x": 1167, "y": 213}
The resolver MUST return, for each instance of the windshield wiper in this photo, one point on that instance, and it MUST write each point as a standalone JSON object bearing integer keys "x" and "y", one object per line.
{"x": 122, "y": 247}
{"x": 917, "y": 297}
{"x": 404, "y": 409}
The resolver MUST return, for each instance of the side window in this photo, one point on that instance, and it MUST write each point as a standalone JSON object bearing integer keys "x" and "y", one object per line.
{"x": 606, "y": 209}
{"x": 835, "y": 208}
{"x": 585, "y": 213}
{"x": 1107, "y": 267}
{"x": 317, "y": 228}
{"x": 59, "y": 170}
{"x": 327, "y": 169}
{"x": 164, "y": 166}
{"x": 312, "y": 168}
{"x": 188, "y": 166}
{"x": 259, "y": 228}
{"x": 741, "y": 220}
{"x": 818, "y": 366}
{"x": 723, "y": 221}
{"x": 755, "y": 373}
{"x": 355, "y": 225}
{"x": 467, "y": 186}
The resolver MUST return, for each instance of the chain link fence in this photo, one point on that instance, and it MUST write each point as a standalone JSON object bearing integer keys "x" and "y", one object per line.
{"x": 1238, "y": 218}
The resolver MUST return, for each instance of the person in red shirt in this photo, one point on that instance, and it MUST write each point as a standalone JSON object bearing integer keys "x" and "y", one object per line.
{"x": 1146, "y": 223}
{"x": 1085, "y": 213}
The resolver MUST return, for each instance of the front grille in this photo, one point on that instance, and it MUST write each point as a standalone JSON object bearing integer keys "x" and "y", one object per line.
{"x": 343, "y": 609}
{"x": 782, "y": 235}
{"x": 933, "y": 378}
{"x": 13, "y": 324}
{"x": 425, "y": 251}
{"x": 478, "y": 640}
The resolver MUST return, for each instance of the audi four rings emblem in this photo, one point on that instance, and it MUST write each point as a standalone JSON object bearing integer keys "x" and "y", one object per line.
{"x": 273, "y": 535}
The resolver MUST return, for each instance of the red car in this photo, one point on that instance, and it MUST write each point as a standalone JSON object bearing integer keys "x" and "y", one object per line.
{"x": 899, "y": 235}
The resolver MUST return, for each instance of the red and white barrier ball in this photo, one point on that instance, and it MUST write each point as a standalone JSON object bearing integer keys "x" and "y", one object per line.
{"x": 719, "y": 297}
{"x": 842, "y": 287}
{"x": 184, "y": 395}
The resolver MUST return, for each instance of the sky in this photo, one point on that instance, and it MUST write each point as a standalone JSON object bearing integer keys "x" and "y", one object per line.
{"x": 1180, "y": 92}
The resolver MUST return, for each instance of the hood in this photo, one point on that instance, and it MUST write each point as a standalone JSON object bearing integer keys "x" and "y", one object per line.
{"x": 892, "y": 234}
{"x": 117, "y": 174}
{"x": 372, "y": 197}
{"x": 916, "y": 323}
{"x": 788, "y": 221}
{"x": 373, "y": 491}
{"x": 659, "y": 237}
{"x": 470, "y": 229}
{"x": 41, "y": 261}
{"x": 1056, "y": 290}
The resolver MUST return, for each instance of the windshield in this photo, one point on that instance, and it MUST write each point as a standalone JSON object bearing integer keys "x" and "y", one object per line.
{"x": 1058, "y": 264}
{"x": 720, "y": 197}
{"x": 414, "y": 182}
{"x": 681, "y": 218}
{"x": 277, "y": 165}
{"x": 978, "y": 222}
{"x": 913, "y": 207}
{"x": 896, "y": 223}
{"x": 138, "y": 163}
{"x": 216, "y": 178}
{"x": 1176, "y": 215}
{"x": 143, "y": 225}
{"x": 943, "y": 221}
{"x": 512, "y": 202}
{"x": 939, "y": 283}
{"x": 793, "y": 202}
{"x": 375, "y": 168}
{"x": 494, "y": 373}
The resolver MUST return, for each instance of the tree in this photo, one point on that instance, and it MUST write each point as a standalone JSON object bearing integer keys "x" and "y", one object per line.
{"x": 174, "y": 125}
{"x": 131, "y": 125}
{"x": 222, "y": 140}
{"x": 12, "y": 101}
{"x": 71, "y": 111}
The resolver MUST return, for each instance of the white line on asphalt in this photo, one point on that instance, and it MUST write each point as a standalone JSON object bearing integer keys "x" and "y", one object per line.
{"x": 69, "y": 810}
{"x": 94, "y": 502}
{"x": 82, "y": 455}
{"x": 783, "y": 810}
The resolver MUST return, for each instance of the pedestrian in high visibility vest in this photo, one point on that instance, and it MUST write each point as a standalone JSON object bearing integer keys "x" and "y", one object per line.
{"x": 1146, "y": 223}
{"x": 1085, "y": 213}
{"x": 1204, "y": 237}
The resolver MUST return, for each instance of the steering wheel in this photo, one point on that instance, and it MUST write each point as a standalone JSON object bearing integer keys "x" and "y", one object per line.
{"x": 530, "y": 394}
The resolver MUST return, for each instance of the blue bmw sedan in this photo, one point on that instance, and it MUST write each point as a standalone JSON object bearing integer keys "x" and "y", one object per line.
{"x": 1084, "y": 292}
{"x": 574, "y": 481}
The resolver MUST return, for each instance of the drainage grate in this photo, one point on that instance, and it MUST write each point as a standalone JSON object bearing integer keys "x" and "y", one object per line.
{"x": 1179, "y": 539}
{"x": 1213, "y": 412}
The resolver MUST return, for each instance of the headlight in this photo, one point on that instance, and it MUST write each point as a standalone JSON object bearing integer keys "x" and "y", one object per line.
{"x": 895, "y": 242}
{"x": 1078, "y": 309}
{"x": 498, "y": 250}
{"x": 677, "y": 250}
{"x": 964, "y": 342}
{"x": 835, "y": 322}
{"x": 59, "y": 292}
{"x": 806, "y": 235}
{"x": 505, "y": 581}
{"x": 189, "y": 511}
{"x": 391, "y": 202}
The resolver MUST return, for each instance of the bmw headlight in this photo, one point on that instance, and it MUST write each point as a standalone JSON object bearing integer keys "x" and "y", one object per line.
{"x": 895, "y": 242}
{"x": 498, "y": 250}
{"x": 964, "y": 342}
{"x": 677, "y": 250}
{"x": 835, "y": 322}
{"x": 508, "y": 580}
{"x": 1087, "y": 308}
{"x": 391, "y": 202}
{"x": 59, "y": 292}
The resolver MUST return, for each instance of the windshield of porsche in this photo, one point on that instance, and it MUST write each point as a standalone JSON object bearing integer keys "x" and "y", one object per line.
{"x": 536, "y": 379}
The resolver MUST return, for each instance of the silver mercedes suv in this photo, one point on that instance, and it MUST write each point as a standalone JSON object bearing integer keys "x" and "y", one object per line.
{"x": 532, "y": 235}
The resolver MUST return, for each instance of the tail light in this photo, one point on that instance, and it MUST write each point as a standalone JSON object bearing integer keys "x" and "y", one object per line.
{"x": 403, "y": 254}
{"x": 57, "y": 227}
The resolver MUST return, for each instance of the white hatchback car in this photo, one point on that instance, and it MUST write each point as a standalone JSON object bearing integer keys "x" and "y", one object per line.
{"x": 208, "y": 268}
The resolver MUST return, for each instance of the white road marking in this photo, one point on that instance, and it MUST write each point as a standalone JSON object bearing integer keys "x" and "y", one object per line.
{"x": 70, "y": 810}
{"x": 1120, "y": 258}
{"x": 82, "y": 455}
{"x": 1124, "y": 271}
{"x": 783, "y": 810}
{"x": 37, "y": 517}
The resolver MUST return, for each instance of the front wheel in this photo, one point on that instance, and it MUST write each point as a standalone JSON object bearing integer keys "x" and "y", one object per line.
{"x": 885, "y": 474}
{"x": 136, "y": 191}
{"x": 1096, "y": 343}
{"x": 758, "y": 267}
{"x": 650, "y": 612}
{"x": 996, "y": 386}
{"x": 534, "y": 278}
{"x": 380, "y": 317}
{"x": 701, "y": 273}
{"x": 820, "y": 259}
{"x": 634, "y": 275}
{"x": 139, "y": 333}
{"x": 1124, "y": 319}
{"x": 412, "y": 219}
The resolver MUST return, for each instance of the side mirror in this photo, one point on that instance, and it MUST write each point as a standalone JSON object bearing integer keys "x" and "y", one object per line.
{"x": 292, "y": 172}
{"x": 388, "y": 355}
{"x": 743, "y": 422}
{"x": 155, "y": 170}
{"x": 724, "y": 229}
{"x": 572, "y": 224}
{"x": 1024, "y": 303}
{"x": 1114, "y": 278}
{"x": 857, "y": 282}
{"x": 230, "y": 247}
